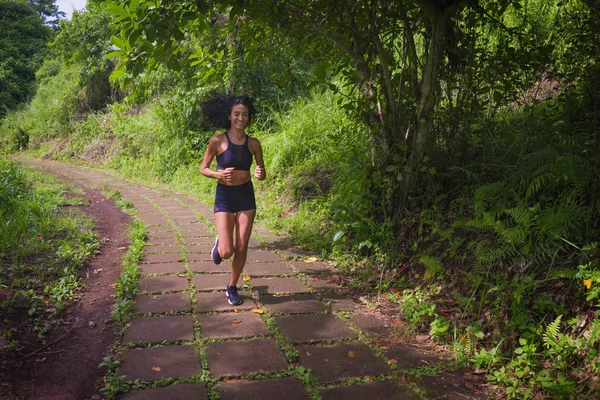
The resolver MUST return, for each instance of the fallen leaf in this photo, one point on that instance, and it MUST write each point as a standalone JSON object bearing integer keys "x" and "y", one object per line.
{"x": 351, "y": 354}
{"x": 308, "y": 354}
{"x": 246, "y": 278}
{"x": 368, "y": 378}
{"x": 587, "y": 283}
{"x": 157, "y": 369}
{"x": 182, "y": 275}
{"x": 121, "y": 248}
{"x": 310, "y": 259}
{"x": 236, "y": 321}
{"x": 479, "y": 371}
{"x": 398, "y": 322}
{"x": 392, "y": 362}
{"x": 97, "y": 271}
{"x": 402, "y": 377}
{"x": 236, "y": 310}
{"x": 258, "y": 311}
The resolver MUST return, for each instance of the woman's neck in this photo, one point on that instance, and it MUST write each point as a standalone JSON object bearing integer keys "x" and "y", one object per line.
{"x": 236, "y": 133}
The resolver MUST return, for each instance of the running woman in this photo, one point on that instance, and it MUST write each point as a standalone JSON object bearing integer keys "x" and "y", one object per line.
{"x": 235, "y": 205}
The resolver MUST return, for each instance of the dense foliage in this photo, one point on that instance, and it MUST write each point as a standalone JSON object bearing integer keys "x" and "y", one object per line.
{"x": 23, "y": 37}
{"x": 445, "y": 154}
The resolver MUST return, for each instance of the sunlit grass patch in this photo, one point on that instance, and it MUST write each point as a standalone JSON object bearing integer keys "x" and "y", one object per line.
{"x": 43, "y": 245}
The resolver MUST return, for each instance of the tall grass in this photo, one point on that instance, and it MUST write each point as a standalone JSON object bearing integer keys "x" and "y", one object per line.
{"x": 312, "y": 150}
{"x": 42, "y": 247}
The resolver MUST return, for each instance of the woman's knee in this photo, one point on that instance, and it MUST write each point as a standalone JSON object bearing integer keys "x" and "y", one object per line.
{"x": 226, "y": 251}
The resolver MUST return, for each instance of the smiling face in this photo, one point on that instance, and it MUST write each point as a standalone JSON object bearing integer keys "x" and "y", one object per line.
{"x": 239, "y": 117}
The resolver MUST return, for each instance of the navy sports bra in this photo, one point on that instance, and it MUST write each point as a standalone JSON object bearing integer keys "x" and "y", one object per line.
{"x": 237, "y": 156}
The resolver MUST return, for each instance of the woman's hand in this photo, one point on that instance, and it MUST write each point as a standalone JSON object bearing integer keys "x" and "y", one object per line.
{"x": 259, "y": 173}
{"x": 226, "y": 176}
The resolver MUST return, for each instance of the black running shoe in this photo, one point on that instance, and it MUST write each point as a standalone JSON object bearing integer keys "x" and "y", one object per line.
{"x": 234, "y": 298}
{"x": 216, "y": 257}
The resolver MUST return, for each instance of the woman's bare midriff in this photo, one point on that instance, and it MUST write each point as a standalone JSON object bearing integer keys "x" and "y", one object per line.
{"x": 239, "y": 178}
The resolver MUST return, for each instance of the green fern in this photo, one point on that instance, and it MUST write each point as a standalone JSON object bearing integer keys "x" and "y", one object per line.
{"x": 552, "y": 333}
{"x": 432, "y": 264}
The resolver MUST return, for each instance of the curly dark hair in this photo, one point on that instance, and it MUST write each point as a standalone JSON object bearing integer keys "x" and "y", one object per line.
{"x": 216, "y": 108}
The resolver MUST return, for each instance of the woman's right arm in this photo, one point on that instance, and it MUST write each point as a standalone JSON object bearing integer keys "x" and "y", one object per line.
{"x": 224, "y": 176}
{"x": 211, "y": 152}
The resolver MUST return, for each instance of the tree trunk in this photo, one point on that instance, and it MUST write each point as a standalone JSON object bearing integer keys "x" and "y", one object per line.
{"x": 439, "y": 18}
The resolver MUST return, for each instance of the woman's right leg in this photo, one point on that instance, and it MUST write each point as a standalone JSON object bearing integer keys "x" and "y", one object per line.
{"x": 225, "y": 223}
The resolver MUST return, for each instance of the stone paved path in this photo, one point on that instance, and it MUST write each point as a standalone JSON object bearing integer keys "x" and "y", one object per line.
{"x": 295, "y": 337}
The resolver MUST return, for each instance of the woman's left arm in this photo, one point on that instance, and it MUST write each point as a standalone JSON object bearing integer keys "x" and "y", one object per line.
{"x": 259, "y": 172}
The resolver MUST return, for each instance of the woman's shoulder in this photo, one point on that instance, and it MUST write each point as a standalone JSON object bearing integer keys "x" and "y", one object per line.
{"x": 253, "y": 144}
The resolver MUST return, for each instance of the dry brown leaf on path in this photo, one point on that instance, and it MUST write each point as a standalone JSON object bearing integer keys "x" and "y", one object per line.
{"x": 182, "y": 275}
{"x": 258, "y": 311}
{"x": 157, "y": 369}
{"x": 236, "y": 321}
{"x": 310, "y": 259}
{"x": 351, "y": 354}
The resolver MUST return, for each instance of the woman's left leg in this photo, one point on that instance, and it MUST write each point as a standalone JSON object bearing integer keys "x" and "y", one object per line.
{"x": 243, "y": 228}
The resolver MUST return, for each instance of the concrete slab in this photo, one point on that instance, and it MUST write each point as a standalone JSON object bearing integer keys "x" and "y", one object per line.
{"x": 295, "y": 304}
{"x": 330, "y": 363}
{"x": 201, "y": 241}
{"x": 171, "y": 283}
{"x": 322, "y": 285}
{"x": 149, "y": 364}
{"x": 161, "y": 258}
{"x": 386, "y": 390}
{"x": 192, "y": 229}
{"x": 209, "y": 266}
{"x": 210, "y": 282}
{"x": 244, "y": 357}
{"x": 162, "y": 234}
{"x": 195, "y": 257}
{"x": 409, "y": 357}
{"x": 310, "y": 267}
{"x": 232, "y": 325}
{"x": 167, "y": 268}
{"x": 370, "y": 324}
{"x": 289, "y": 252}
{"x": 155, "y": 221}
{"x": 186, "y": 391}
{"x": 183, "y": 220}
{"x": 267, "y": 389}
{"x": 163, "y": 249}
{"x": 217, "y": 301}
{"x": 454, "y": 385}
{"x": 195, "y": 248}
{"x": 161, "y": 303}
{"x": 161, "y": 241}
{"x": 307, "y": 328}
{"x": 339, "y": 302}
{"x": 159, "y": 329}
{"x": 267, "y": 269}
{"x": 262, "y": 256}
{"x": 278, "y": 285}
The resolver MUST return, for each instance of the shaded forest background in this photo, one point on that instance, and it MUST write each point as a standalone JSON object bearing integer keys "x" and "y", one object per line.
{"x": 444, "y": 154}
